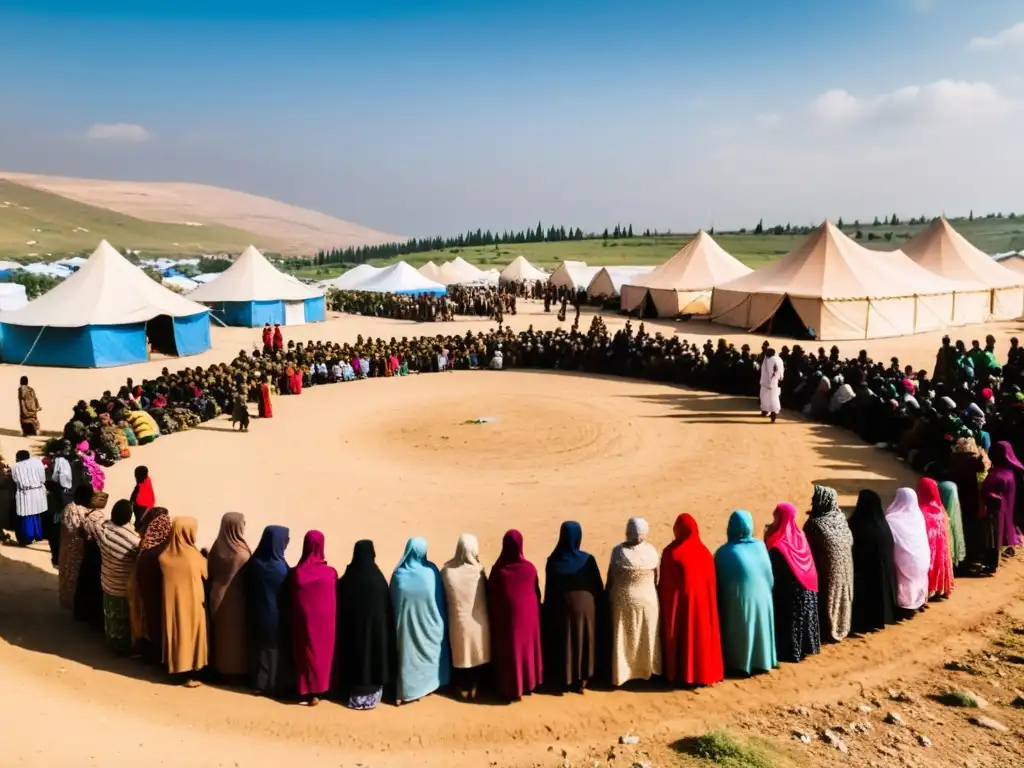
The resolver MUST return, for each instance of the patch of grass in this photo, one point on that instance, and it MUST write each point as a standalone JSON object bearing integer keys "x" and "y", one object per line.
{"x": 724, "y": 749}
{"x": 957, "y": 699}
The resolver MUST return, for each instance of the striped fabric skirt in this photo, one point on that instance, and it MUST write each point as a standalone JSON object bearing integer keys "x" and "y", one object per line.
{"x": 117, "y": 625}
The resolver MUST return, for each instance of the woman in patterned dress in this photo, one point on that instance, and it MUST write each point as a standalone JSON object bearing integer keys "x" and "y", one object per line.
{"x": 795, "y": 593}
{"x": 831, "y": 542}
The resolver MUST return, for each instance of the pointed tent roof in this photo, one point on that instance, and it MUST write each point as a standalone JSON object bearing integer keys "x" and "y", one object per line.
{"x": 829, "y": 265}
{"x": 349, "y": 280}
{"x": 697, "y": 266}
{"x": 431, "y": 271}
{"x": 609, "y": 280}
{"x": 107, "y": 290}
{"x": 458, "y": 270}
{"x": 521, "y": 269}
{"x": 253, "y": 278}
{"x": 941, "y": 249}
{"x": 400, "y": 278}
{"x": 573, "y": 273}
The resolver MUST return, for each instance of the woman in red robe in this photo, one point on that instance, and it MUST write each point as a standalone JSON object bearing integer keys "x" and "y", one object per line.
{"x": 263, "y": 404}
{"x": 278, "y": 337}
{"x": 296, "y": 380}
{"x": 689, "y": 609}
{"x": 513, "y": 592}
{"x": 143, "y": 499}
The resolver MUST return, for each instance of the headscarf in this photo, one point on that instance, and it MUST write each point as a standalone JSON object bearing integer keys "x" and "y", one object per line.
{"x": 785, "y": 535}
{"x": 940, "y": 570}
{"x": 227, "y": 602}
{"x": 511, "y": 550}
{"x": 831, "y": 543}
{"x": 874, "y": 576}
{"x": 314, "y": 614}
{"x": 911, "y": 553}
{"x": 512, "y": 592}
{"x": 157, "y": 528}
{"x": 185, "y": 646}
{"x": 265, "y": 574}
{"x": 465, "y": 588}
{"x": 365, "y": 657}
{"x": 566, "y": 558}
{"x": 974, "y": 416}
{"x": 635, "y": 553}
{"x": 227, "y": 555}
{"x": 1002, "y": 456}
{"x": 951, "y": 503}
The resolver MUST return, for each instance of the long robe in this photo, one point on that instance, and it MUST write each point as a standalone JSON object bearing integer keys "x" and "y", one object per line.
{"x": 951, "y": 503}
{"x": 516, "y": 647}
{"x": 940, "y": 567}
{"x": 573, "y": 596}
{"x": 633, "y": 602}
{"x": 183, "y": 569}
{"x": 265, "y": 408}
{"x": 795, "y": 591}
{"x": 314, "y": 617}
{"x": 228, "y": 556}
{"x": 72, "y": 549}
{"x": 831, "y": 542}
{"x": 1000, "y": 486}
{"x": 421, "y": 624}
{"x": 145, "y": 598}
{"x": 268, "y": 613}
{"x": 772, "y": 371}
{"x": 365, "y": 644}
{"x": 465, "y": 590}
{"x": 874, "y": 574}
{"x": 911, "y": 554}
{"x": 745, "y": 608}
{"x": 687, "y": 591}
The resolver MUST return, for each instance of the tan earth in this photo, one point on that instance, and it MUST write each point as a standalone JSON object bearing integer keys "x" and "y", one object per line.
{"x": 394, "y": 458}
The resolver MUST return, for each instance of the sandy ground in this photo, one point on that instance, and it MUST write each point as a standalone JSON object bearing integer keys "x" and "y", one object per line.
{"x": 393, "y": 458}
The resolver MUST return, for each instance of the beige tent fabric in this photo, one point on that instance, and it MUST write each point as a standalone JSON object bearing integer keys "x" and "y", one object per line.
{"x": 520, "y": 269}
{"x": 573, "y": 274}
{"x": 943, "y": 251}
{"x": 465, "y": 587}
{"x": 635, "y": 612}
{"x": 608, "y": 281}
{"x": 349, "y": 280}
{"x": 682, "y": 285}
{"x": 458, "y": 270}
{"x": 431, "y": 271}
{"x": 253, "y": 278}
{"x": 107, "y": 290}
{"x": 841, "y": 290}
{"x": 1013, "y": 261}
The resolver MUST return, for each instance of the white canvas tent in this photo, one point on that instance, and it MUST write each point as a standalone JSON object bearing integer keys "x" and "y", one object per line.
{"x": 838, "y": 289}
{"x": 458, "y": 270}
{"x": 349, "y": 280}
{"x": 682, "y": 285}
{"x": 253, "y": 278}
{"x": 608, "y": 282}
{"x": 12, "y": 296}
{"x": 400, "y": 278}
{"x": 993, "y": 292}
{"x": 573, "y": 274}
{"x": 1012, "y": 260}
{"x": 521, "y": 270}
{"x": 431, "y": 271}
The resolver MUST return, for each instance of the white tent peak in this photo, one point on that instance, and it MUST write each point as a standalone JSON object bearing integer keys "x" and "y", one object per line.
{"x": 431, "y": 271}
{"x": 399, "y": 278}
{"x": 458, "y": 270}
{"x": 253, "y": 278}
{"x": 521, "y": 269}
{"x": 701, "y": 264}
{"x": 106, "y": 290}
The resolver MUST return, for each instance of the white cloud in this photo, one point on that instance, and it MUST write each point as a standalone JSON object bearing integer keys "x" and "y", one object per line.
{"x": 1004, "y": 38}
{"x": 945, "y": 102}
{"x": 769, "y": 119}
{"x": 127, "y": 132}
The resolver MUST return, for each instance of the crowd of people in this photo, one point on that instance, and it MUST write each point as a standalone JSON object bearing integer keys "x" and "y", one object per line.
{"x": 301, "y": 631}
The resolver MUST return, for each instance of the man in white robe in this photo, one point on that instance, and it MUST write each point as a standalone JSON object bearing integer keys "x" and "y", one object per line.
{"x": 771, "y": 384}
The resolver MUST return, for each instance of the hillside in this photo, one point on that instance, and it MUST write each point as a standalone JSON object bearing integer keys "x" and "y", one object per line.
{"x": 992, "y": 235}
{"x": 38, "y": 223}
{"x": 281, "y": 227}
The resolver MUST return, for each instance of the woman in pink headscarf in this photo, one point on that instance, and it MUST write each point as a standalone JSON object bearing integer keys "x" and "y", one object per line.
{"x": 314, "y": 608}
{"x": 940, "y": 566}
{"x": 999, "y": 502}
{"x": 514, "y": 598}
{"x": 795, "y": 594}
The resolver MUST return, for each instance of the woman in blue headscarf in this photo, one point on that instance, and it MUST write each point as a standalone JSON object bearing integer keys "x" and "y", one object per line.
{"x": 421, "y": 620}
{"x": 268, "y": 631}
{"x": 745, "y": 610}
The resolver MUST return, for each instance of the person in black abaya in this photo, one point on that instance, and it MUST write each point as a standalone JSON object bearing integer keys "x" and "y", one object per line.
{"x": 364, "y": 652}
{"x": 573, "y": 605}
{"x": 267, "y": 612}
{"x": 88, "y": 589}
{"x": 874, "y": 570}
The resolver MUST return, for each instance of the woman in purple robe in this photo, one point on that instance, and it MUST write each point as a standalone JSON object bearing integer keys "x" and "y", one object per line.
{"x": 999, "y": 494}
{"x": 314, "y": 606}
{"x": 514, "y": 598}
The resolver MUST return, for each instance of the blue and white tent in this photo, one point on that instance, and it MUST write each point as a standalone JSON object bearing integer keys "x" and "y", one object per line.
{"x": 103, "y": 315}
{"x": 252, "y": 292}
{"x": 400, "y": 278}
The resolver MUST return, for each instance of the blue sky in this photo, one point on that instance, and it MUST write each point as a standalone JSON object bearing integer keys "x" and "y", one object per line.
{"x": 435, "y": 117}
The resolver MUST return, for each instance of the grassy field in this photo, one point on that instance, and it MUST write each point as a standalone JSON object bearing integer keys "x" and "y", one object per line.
{"x": 34, "y": 223}
{"x": 993, "y": 235}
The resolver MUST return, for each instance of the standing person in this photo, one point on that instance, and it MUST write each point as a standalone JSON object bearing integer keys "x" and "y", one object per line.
{"x": 874, "y": 574}
{"x": 29, "y": 476}
{"x": 999, "y": 498}
{"x": 146, "y": 593}
{"x": 795, "y": 592}
{"x": 183, "y": 571}
{"x": 75, "y": 518}
{"x": 364, "y": 657}
{"x": 268, "y": 338}
{"x": 633, "y": 594}
{"x": 573, "y": 598}
{"x": 469, "y": 627}
{"x": 314, "y": 619}
{"x": 832, "y": 545}
{"x": 264, "y": 408}
{"x": 29, "y": 408}
{"x": 940, "y": 567}
{"x": 143, "y": 498}
{"x": 119, "y": 548}
{"x": 772, "y": 371}
{"x": 59, "y": 495}
{"x": 687, "y": 591}
{"x": 278, "y": 339}
{"x": 268, "y": 613}
{"x": 951, "y": 503}
{"x": 745, "y": 608}
{"x": 421, "y": 618}
{"x": 228, "y": 555}
{"x": 911, "y": 553}
{"x": 513, "y": 591}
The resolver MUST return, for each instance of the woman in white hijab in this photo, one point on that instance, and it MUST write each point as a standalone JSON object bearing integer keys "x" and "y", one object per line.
{"x": 632, "y": 589}
{"x": 469, "y": 629}
{"x": 911, "y": 552}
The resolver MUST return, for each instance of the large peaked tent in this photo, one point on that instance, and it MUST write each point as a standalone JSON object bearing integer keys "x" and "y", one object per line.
{"x": 682, "y": 285}
{"x": 400, "y": 278}
{"x": 349, "y": 280}
{"x": 431, "y": 271}
{"x": 252, "y": 292}
{"x": 520, "y": 270}
{"x": 994, "y": 291}
{"x": 103, "y": 315}
{"x": 1013, "y": 260}
{"x": 839, "y": 290}
{"x": 608, "y": 282}
{"x": 458, "y": 271}
{"x": 573, "y": 274}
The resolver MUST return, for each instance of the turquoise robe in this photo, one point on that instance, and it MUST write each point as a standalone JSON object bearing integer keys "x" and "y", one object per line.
{"x": 745, "y": 607}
